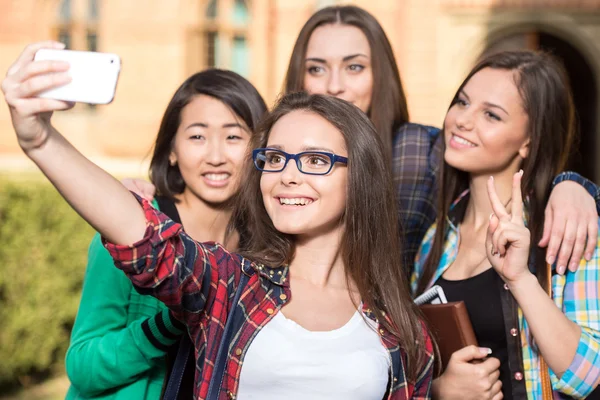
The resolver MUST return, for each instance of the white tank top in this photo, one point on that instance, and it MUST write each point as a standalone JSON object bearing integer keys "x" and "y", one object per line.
{"x": 286, "y": 361}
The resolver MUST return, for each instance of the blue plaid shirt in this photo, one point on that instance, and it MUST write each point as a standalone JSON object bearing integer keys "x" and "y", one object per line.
{"x": 415, "y": 157}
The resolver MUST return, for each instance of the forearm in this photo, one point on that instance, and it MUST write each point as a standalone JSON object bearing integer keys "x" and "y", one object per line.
{"x": 99, "y": 198}
{"x": 556, "y": 336}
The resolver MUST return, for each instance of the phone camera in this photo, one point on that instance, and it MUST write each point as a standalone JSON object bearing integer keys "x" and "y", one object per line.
{"x": 112, "y": 61}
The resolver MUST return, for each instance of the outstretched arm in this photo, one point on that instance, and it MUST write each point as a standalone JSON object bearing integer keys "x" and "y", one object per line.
{"x": 94, "y": 194}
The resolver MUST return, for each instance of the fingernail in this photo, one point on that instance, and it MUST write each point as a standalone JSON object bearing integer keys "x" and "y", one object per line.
{"x": 491, "y": 177}
{"x": 491, "y": 215}
{"x": 485, "y": 350}
{"x": 573, "y": 266}
{"x": 521, "y": 172}
{"x": 588, "y": 256}
{"x": 550, "y": 259}
{"x": 561, "y": 269}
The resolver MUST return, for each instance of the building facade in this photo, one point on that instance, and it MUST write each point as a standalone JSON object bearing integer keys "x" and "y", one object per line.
{"x": 161, "y": 42}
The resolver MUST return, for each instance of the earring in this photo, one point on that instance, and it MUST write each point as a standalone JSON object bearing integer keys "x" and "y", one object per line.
{"x": 172, "y": 162}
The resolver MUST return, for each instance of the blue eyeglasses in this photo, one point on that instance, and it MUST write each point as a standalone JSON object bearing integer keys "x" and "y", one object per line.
{"x": 308, "y": 162}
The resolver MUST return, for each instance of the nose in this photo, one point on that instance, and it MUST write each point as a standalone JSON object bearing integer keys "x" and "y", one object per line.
{"x": 464, "y": 119}
{"x": 291, "y": 175}
{"x": 215, "y": 152}
{"x": 335, "y": 83}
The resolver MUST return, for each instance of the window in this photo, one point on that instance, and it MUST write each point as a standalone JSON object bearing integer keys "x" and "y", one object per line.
{"x": 78, "y": 32}
{"x": 77, "y": 26}
{"x": 224, "y": 36}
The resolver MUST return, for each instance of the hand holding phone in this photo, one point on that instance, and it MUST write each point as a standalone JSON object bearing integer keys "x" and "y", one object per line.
{"x": 94, "y": 75}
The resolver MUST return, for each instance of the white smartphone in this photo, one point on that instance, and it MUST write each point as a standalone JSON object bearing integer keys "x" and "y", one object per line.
{"x": 94, "y": 76}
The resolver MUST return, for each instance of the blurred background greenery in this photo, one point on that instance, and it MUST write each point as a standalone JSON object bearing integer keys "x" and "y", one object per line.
{"x": 43, "y": 254}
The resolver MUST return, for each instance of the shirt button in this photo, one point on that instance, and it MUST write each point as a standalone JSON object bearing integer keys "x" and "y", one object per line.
{"x": 519, "y": 376}
{"x": 270, "y": 311}
{"x": 283, "y": 296}
{"x": 505, "y": 286}
{"x": 381, "y": 331}
{"x": 238, "y": 352}
{"x": 514, "y": 331}
{"x": 231, "y": 395}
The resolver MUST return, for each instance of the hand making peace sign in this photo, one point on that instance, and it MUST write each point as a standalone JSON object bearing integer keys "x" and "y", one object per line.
{"x": 508, "y": 240}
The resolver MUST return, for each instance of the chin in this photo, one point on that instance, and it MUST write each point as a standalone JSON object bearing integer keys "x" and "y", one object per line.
{"x": 213, "y": 200}
{"x": 290, "y": 229}
{"x": 458, "y": 162}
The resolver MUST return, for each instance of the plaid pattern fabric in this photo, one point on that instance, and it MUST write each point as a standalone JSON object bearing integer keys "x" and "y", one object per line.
{"x": 576, "y": 294}
{"x": 197, "y": 281}
{"x": 416, "y": 153}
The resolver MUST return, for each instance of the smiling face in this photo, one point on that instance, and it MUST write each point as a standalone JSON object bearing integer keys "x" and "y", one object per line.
{"x": 338, "y": 63}
{"x": 486, "y": 128}
{"x": 209, "y": 148}
{"x": 297, "y": 203}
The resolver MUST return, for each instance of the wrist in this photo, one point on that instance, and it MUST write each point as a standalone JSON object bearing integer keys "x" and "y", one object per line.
{"x": 525, "y": 282}
{"x": 36, "y": 143}
{"x": 436, "y": 388}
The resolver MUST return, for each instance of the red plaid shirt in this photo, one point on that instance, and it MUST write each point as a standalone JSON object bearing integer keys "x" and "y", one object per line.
{"x": 198, "y": 281}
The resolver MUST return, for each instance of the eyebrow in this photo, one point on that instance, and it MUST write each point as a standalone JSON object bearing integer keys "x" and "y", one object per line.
{"x": 347, "y": 58}
{"x": 204, "y": 125}
{"x": 487, "y": 103}
{"x": 305, "y": 148}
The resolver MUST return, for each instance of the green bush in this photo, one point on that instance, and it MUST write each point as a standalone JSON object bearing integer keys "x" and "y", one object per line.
{"x": 43, "y": 250}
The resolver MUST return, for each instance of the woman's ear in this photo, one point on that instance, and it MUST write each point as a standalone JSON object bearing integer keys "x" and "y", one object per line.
{"x": 524, "y": 149}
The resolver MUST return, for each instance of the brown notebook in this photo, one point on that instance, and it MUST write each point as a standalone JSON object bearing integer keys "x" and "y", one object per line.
{"x": 451, "y": 327}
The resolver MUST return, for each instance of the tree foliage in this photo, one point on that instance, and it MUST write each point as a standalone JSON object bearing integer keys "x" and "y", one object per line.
{"x": 43, "y": 249}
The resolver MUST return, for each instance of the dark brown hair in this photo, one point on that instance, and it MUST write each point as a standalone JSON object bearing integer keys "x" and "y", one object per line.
{"x": 388, "y": 109}
{"x": 226, "y": 86}
{"x": 547, "y": 101}
{"x": 370, "y": 246}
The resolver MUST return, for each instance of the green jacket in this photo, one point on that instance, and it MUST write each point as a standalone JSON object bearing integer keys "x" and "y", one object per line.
{"x": 120, "y": 337}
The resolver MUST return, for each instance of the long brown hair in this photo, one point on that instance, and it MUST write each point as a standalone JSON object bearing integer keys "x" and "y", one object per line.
{"x": 388, "y": 109}
{"x": 548, "y": 103}
{"x": 370, "y": 246}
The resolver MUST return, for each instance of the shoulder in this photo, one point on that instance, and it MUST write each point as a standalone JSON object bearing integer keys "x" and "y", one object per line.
{"x": 101, "y": 271}
{"x": 411, "y": 130}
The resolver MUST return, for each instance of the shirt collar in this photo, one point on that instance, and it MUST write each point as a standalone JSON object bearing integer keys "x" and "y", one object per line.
{"x": 277, "y": 275}
{"x": 458, "y": 209}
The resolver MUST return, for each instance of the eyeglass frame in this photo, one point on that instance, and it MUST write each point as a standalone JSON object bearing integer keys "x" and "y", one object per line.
{"x": 334, "y": 158}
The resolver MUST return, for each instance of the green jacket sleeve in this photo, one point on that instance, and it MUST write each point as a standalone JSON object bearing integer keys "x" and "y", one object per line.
{"x": 106, "y": 352}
